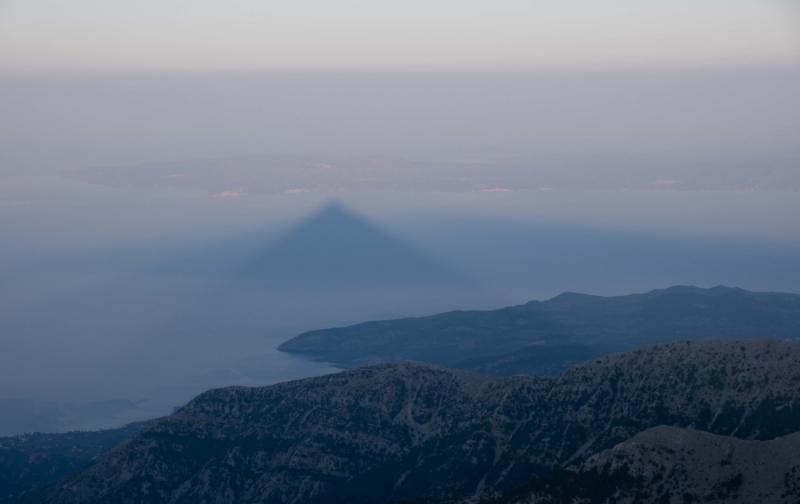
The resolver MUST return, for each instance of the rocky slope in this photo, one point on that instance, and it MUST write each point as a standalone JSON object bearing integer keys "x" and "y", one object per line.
{"x": 668, "y": 464}
{"x": 412, "y": 431}
{"x": 33, "y": 461}
{"x": 591, "y": 325}
{"x": 698, "y": 466}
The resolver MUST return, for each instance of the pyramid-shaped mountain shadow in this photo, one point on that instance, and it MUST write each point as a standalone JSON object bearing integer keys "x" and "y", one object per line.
{"x": 333, "y": 268}
{"x": 335, "y": 249}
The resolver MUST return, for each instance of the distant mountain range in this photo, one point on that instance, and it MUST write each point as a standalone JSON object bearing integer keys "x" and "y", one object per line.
{"x": 414, "y": 432}
{"x": 546, "y": 337}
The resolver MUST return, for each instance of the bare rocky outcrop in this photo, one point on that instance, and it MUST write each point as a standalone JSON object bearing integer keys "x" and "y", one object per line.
{"x": 671, "y": 465}
{"x": 667, "y": 462}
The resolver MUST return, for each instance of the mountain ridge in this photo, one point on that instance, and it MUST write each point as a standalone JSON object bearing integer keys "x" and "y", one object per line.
{"x": 406, "y": 431}
{"x": 600, "y": 324}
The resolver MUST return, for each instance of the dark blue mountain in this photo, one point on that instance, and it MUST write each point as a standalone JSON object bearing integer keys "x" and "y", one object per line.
{"x": 545, "y": 337}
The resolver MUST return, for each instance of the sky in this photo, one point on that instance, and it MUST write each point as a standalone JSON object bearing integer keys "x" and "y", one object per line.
{"x": 93, "y": 83}
{"x": 59, "y": 35}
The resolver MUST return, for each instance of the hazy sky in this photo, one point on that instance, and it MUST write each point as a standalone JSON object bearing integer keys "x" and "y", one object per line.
{"x": 325, "y": 34}
{"x": 110, "y": 82}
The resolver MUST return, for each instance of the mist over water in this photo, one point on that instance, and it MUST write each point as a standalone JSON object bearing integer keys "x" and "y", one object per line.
{"x": 133, "y": 206}
{"x": 111, "y": 293}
